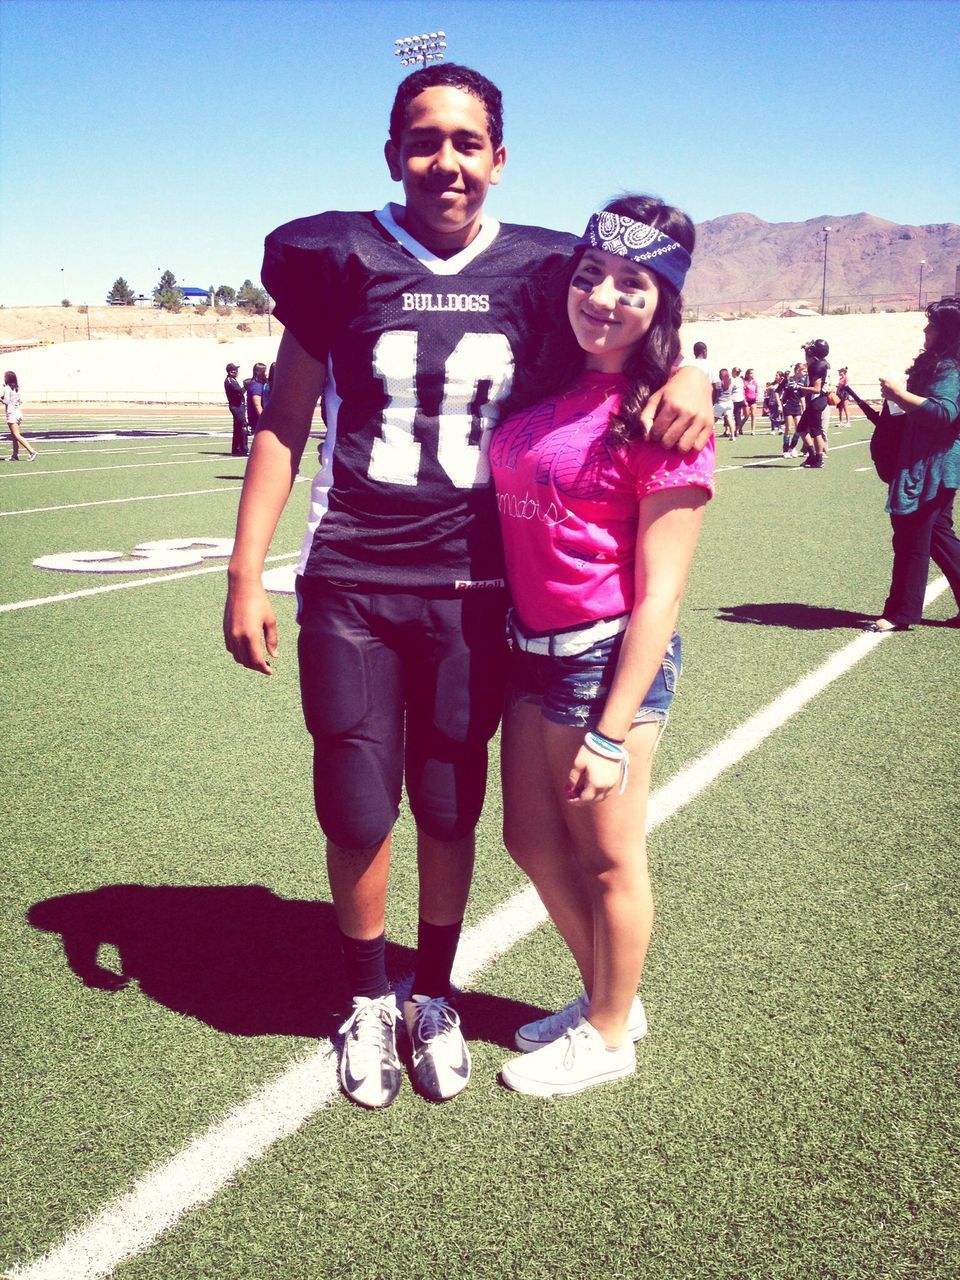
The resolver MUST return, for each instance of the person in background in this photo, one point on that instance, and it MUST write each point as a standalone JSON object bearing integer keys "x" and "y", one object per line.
{"x": 13, "y": 411}
{"x": 773, "y": 404}
{"x": 920, "y": 496}
{"x": 843, "y": 395}
{"x": 701, "y": 361}
{"x": 234, "y": 393}
{"x": 739, "y": 401}
{"x": 814, "y": 393}
{"x": 723, "y": 404}
{"x": 792, "y": 400}
{"x": 268, "y": 384}
{"x": 595, "y": 657}
{"x": 254, "y": 390}
{"x": 750, "y": 393}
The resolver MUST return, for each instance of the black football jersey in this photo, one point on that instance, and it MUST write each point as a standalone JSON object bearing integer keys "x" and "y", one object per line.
{"x": 420, "y": 353}
{"x": 817, "y": 369}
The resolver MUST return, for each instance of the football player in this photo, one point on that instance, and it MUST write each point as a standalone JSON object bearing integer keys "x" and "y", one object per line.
{"x": 413, "y": 322}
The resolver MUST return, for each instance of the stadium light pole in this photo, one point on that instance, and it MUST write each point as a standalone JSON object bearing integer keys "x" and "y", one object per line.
{"x": 823, "y": 291}
{"x": 418, "y": 51}
{"x": 923, "y": 263}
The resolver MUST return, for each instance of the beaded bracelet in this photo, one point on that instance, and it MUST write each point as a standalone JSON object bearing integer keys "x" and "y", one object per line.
{"x": 608, "y": 750}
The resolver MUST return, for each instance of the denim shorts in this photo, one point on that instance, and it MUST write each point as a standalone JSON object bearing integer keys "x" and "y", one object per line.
{"x": 572, "y": 691}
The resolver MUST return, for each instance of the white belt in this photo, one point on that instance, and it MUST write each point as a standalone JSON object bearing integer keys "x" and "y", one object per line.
{"x": 567, "y": 644}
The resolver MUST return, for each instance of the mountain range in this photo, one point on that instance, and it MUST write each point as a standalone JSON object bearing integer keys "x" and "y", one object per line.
{"x": 743, "y": 264}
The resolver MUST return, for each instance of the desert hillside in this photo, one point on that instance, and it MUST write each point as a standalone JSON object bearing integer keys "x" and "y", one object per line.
{"x": 743, "y": 264}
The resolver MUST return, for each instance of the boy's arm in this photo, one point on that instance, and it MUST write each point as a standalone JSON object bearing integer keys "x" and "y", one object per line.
{"x": 680, "y": 414}
{"x": 249, "y": 623}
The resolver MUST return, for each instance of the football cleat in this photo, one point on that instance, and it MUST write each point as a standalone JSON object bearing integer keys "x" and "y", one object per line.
{"x": 440, "y": 1059}
{"x": 369, "y": 1066}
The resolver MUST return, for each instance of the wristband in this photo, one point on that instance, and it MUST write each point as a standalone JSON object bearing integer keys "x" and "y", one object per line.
{"x": 601, "y": 746}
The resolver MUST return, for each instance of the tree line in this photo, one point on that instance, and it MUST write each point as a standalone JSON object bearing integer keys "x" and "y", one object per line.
{"x": 169, "y": 296}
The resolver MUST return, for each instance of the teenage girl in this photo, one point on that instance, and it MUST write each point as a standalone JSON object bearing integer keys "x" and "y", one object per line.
{"x": 723, "y": 406}
{"x": 739, "y": 400}
{"x": 750, "y": 393}
{"x": 843, "y": 395}
{"x": 13, "y": 408}
{"x": 599, "y": 527}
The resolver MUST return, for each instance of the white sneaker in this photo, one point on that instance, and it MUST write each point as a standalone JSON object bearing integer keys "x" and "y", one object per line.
{"x": 534, "y": 1035}
{"x": 440, "y": 1059}
{"x": 578, "y": 1060}
{"x": 369, "y": 1066}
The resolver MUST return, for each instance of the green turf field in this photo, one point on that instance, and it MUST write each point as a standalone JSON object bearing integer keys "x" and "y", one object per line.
{"x": 794, "y": 1112}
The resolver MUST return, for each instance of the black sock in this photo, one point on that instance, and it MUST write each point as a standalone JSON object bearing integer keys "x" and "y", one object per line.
{"x": 436, "y": 949}
{"x": 363, "y": 960}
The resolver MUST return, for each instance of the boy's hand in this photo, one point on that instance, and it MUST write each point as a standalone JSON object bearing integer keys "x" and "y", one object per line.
{"x": 680, "y": 414}
{"x": 250, "y": 626}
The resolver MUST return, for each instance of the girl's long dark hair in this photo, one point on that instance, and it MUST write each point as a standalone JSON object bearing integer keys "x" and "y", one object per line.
{"x": 650, "y": 365}
{"x": 10, "y": 378}
{"x": 945, "y": 317}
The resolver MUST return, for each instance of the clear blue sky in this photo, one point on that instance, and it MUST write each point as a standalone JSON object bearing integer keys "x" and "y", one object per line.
{"x": 152, "y": 134}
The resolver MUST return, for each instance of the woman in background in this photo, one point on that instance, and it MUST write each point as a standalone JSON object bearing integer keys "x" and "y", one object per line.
{"x": 254, "y": 392}
{"x": 750, "y": 392}
{"x": 792, "y": 401}
{"x": 773, "y": 404}
{"x": 723, "y": 404}
{"x": 843, "y": 395}
{"x": 739, "y": 400}
{"x": 13, "y": 409}
{"x": 920, "y": 498}
{"x": 268, "y": 384}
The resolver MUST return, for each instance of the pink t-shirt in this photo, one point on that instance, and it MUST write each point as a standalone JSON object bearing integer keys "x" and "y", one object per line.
{"x": 568, "y": 503}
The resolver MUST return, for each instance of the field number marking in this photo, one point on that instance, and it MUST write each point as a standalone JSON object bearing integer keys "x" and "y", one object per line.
{"x": 164, "y": 553}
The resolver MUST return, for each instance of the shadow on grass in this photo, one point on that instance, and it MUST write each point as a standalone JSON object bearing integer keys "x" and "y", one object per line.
{"x": 236, "y": 957}
{"x": 796, "y": 616}
{"x": 495, "y": 1019}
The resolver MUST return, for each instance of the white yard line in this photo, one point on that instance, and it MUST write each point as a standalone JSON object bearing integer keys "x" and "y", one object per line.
{"x": 793, "y": 462}
{"x": 125, "y": 586}
{"x": 146, "y": 497}
{"x": 29, "y": 470}
{"x": 164, "y": 447}
{"x": 132, "y": 1222}
{"x": 109, "y": 502}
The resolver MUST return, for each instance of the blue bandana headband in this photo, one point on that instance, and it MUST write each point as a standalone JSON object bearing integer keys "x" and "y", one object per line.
{"x": 616, "y": 233}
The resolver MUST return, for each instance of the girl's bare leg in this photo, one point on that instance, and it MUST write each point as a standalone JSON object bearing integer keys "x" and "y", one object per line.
{"x": 610, "y": 843}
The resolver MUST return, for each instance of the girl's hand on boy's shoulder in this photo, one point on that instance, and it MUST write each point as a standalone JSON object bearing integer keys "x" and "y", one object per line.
{"x": 680, "y": 415}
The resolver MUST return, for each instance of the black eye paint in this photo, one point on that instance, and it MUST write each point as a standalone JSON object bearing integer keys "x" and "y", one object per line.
{"x": 636, "y": 300}
{"x": 582, "y": 282}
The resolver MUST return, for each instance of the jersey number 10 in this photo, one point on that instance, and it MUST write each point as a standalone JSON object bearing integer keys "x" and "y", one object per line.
{"x": 479, "y": 360}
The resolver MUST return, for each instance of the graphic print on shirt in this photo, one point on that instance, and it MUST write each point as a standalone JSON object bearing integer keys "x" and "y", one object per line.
{"x": 561, "y": 462}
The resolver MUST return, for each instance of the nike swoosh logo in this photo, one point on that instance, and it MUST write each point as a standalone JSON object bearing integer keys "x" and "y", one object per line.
{"x": 463, "y": 1071}
{"x": 352, "y": 1082}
